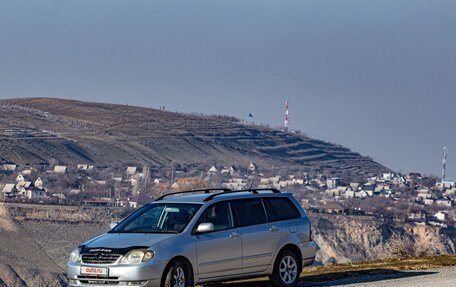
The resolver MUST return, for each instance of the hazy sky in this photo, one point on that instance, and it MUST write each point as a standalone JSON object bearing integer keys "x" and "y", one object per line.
{"x": 376, "y": 76}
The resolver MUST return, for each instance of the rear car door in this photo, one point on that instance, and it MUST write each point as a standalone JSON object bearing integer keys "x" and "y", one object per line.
{"x": 260, "y": 239}
{"x": 219, "y": 253}
{"x": 283, "y": 213}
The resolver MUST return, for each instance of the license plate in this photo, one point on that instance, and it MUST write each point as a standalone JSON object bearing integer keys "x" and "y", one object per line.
{"x": 95, "y": 271}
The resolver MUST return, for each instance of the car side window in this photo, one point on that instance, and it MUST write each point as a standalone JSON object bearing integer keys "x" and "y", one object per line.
{"x": 250, "y": 212}
{"x": 282, "y": 208}
{"x": 220, "y": 215}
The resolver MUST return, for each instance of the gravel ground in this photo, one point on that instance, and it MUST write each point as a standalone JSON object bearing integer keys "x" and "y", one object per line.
{"x": 442, "y": 277}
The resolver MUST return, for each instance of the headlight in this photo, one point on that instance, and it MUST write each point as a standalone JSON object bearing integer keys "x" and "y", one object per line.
{"x": 137, "y": 256}
{"x": 75, "y": 255}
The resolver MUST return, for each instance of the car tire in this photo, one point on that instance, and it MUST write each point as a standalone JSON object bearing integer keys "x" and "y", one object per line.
{"x": 287, "y": 269}
{"x": 177, "y": 275}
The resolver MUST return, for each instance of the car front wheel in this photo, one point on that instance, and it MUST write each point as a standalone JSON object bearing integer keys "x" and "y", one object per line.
{"x": 177, "y": 276}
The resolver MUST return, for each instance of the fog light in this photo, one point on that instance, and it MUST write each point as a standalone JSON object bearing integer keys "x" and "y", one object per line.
{"x": 136, "y": 283}
{"x": 73, "y": 282}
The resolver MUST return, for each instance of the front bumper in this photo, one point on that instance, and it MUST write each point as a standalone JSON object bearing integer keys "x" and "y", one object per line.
{"x": 144, "y": 274}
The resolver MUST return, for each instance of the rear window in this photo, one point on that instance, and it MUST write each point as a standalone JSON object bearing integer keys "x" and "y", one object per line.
{"x": 250, "y": 212}
{"x": 281, "y": 209}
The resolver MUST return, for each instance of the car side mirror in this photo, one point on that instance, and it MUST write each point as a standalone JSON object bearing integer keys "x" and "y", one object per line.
{"x": 205, "y": 227}
{"x": 113, "y": 224}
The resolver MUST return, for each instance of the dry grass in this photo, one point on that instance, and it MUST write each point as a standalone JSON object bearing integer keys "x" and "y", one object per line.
{"x": 421, "y": 263}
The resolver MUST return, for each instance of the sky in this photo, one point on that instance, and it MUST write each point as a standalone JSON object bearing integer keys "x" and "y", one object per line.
{"x": 376, "y": 76}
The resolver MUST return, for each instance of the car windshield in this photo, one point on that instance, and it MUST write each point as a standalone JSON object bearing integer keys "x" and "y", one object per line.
{"x": 158, "y": 218}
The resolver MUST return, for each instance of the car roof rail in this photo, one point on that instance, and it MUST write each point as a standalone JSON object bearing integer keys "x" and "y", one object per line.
{"x": 206, "y": 190}
{"x": 251, "y": 190}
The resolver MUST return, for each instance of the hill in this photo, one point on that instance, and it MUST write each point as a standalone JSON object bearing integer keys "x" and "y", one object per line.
{"x": 44, "y": 130}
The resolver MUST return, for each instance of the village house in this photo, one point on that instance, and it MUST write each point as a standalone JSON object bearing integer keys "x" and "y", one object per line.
{"x": 140, "y": 200}
{"x": 131, "y": 170}
{"x": 428, "y": 201}
{"x": 60, "y": 169}
{"x": 34, "y": 193}
{"x": 416, "y": 215}
{"x": 235, "y": 183}
{"x": 228, "y": 170}
{"x": 252, "y": 167}
{"x": 333, "y": 182}
{"x": 443, "y": 202}
{"x": 446, "y": 183}
{"x": 212, "y": 170}
{"x": 349, "y": 193}
{"x": 9, "y": 167}
{"x": 9, "y": 189}
{"x": 354, "y": 185}
{"x": 38, "y": 183}
{"x": 440, "y": 216}
{"x": 333, "y": 208}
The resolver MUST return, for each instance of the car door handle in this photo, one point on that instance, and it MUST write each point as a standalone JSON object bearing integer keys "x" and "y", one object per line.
{"x": 235, "y": 235}
{"x": 274, "y": 229}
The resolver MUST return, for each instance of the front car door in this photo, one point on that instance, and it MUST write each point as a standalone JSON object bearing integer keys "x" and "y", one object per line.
{"x": 219, "y": 253}
{"x": 260, "y": 239}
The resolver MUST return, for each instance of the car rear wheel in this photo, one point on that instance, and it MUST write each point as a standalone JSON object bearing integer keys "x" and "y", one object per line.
{"x": 286, "y": 270}
{"x": 177, "y": 276}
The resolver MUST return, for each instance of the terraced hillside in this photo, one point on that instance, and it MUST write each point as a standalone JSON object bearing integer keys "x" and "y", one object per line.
{"x": 38, "y": 130}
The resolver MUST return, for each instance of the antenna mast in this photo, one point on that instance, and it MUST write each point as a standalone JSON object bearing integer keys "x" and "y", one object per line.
{"x": 444, "y": 160}
{"x": 286, "y": 117}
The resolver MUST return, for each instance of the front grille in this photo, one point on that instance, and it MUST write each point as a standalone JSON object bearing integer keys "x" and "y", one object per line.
{"x": 98, "y": 280}
{"x": 100, "y": 258}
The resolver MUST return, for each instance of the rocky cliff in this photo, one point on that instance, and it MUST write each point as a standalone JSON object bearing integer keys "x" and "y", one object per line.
{"x": 36, "y": 240}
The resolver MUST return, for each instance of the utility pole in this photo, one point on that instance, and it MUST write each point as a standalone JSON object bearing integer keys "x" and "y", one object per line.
{"x": 444, "y": 160}
{"x": 287, "y": 119}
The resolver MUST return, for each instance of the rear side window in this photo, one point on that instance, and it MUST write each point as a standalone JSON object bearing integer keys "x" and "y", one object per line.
{"x": 250, "y": 212}
{"x": 281, "y": 209}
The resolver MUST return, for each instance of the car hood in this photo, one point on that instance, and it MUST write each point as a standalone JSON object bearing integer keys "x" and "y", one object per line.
{"x": 126, "y": 240}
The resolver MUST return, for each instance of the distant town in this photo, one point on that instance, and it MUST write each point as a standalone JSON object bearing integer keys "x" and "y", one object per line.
{"x": 389, "y": 196}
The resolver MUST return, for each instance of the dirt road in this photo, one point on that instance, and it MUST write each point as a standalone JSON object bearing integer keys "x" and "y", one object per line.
{"x": 443, "y": 277}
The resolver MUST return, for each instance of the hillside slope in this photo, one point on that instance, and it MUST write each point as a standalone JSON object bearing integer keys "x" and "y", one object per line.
{"x": 38, "y": 130}
{"x": 23, "y": 262}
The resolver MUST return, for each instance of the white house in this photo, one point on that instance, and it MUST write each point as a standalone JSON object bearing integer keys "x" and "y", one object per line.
{"x": 440, "y": 216}
{"x": 20, "y": 178}
{"x": 252, "y": 167}
{"x": 388, "y": 176}
{"x": 9, "y": 167}
{"x": 333, "y": 182}
{"x": 60, "y": 169}
{"x": 443, "y": 202}
{"x": 213, "y": 169}
{"x": 38, "y": 183}
{"x": 228, "y": 170}
{"x": 428, "y": 201}
{"x": 8, "y": 188}
{"x": 82, "y": 166}
{"x": 131, "y": 170}
{"x": 446, "y": 183}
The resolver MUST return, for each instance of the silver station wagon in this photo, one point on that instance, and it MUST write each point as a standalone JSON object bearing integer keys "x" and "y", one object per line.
{"x": 200, "y": 236}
